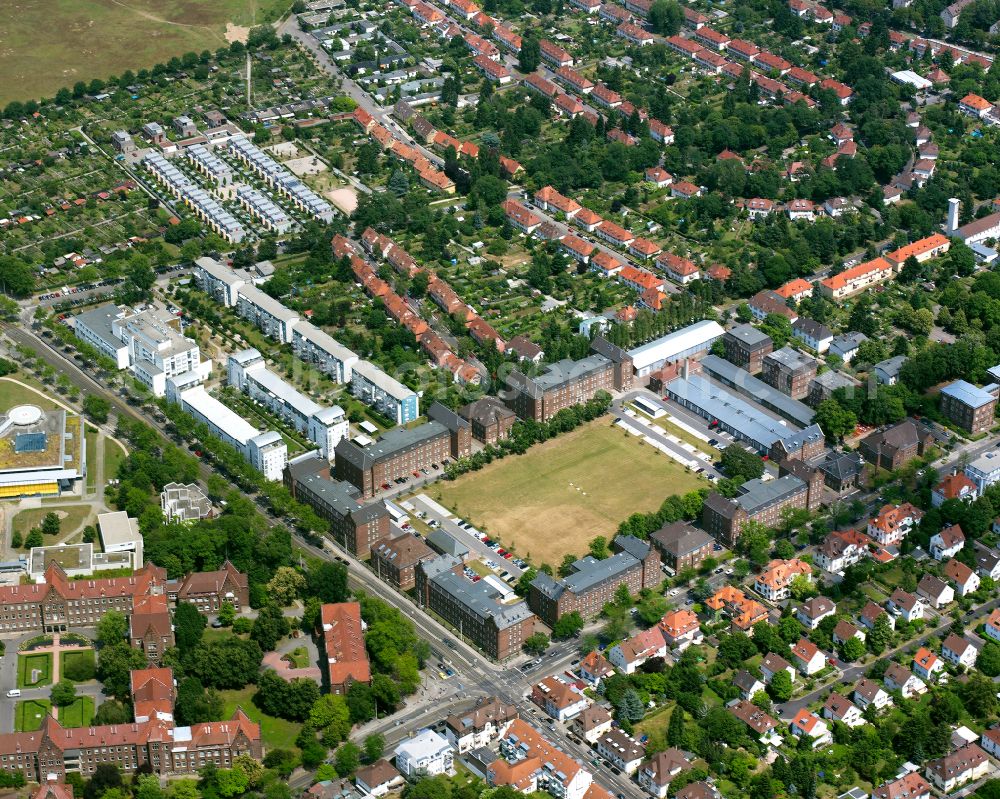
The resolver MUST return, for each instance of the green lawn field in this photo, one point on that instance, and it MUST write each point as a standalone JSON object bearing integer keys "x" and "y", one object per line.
{"x": 71, "y": 522}
{"x": 68, "y": 658}
{"x": 274, "y": 733}
{"x": 10, "y": 392}
{"x": 555, "y": 498}
{"x": 29, "y": 715}
{"x": 79, "y": 714}
{"x": 99, "y": 38}
{"x": 26, "y": 664}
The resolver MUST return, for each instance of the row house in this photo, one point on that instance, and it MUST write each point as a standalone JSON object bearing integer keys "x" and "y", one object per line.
{"x": 610, "y": 12}
{"x": 568, "y": 106}
{"x": 554, "y": 54}
{"x": 712, "y": 38}
{"x": 535, "y": 81}
{"x": 492, "y": 70}
{"x": 678, "y": 269}
{"x": 742, "y": 49}
{"x": 548, "y": 199}
{"x": 634, "y": 34}
{"x": 683, "y": 46}
{"x": 520, "y": 217}
{"x": 574, "y": 80}
{"x": 606, "y": 97}
{"x": 964, "y": 765}
{"x": 661, "y": 132}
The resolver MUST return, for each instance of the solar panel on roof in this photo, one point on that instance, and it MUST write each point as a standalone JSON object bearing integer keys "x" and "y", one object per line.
{"x": 30, "y": 442}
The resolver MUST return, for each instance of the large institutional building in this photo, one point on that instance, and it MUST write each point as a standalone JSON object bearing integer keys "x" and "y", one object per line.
{"x": 42, "y": 453}
{"x": 153, "y": 742}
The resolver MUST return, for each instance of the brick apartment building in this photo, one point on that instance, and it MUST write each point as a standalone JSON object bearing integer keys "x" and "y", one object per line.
{"x": 395, "y": 559}
{"x": 968, "y": 406}
{"x": 400, "y": 451}
{"x": 682, "y": 546}
{"x": 357, "y": 527}
{"x": 342, "y": 633}
{"x": 592, "y": 583}
{"x": 789, "y": 371}
{"x": 746, "y": 346}
{"x": 208, "y": 590}
{"x": 491, "y": 420}
{"x": 480, "y": 615}
{"x": 897, "y": 445}
{"x": 758, "y": 501}
{"x": 568, "y": 383}
{"x": 153, "y": 742}
{"x": 811, "y": 475}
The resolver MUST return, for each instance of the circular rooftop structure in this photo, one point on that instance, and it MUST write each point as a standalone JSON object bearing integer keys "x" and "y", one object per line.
{"x": 24, "y": 415}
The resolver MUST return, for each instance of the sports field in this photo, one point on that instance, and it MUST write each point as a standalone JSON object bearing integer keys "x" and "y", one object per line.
{"x": 555, "y": 498}
{"x": 98, "y": 38}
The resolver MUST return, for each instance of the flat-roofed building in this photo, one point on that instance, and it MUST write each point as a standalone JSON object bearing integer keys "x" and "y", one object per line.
{"x": 324, "y": 426}
{"x": 684, "y": 343}
{"x": 789, "y": 371}
{"x": 746, "y": 347}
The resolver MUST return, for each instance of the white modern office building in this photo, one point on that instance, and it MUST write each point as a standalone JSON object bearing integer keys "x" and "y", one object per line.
{"x": 266, "y": 451}
{"x": 984, "y": 471}
{"x": 150, "y": 343}
{"x": 324, "y": 426}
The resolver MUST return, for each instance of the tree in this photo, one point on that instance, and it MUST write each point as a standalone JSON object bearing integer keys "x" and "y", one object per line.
{"x": 834, "y": 419}
{"x": 16, "y": 276}
{"x": 666, "y": 17}
{"x": 50, "y": 524}
{"x": 269, "y": 627}
{"x": 530, "y": 55}
{"x": 63, "y": 693}
{"x": 189, "y": 625}
{"x": 630, "y": 706}
{"x": 740, "y": 462}
{"x": 286, "y": 585}
{"x": 347, "y": 759}
{"x": 111, "y": 629}
{"x": 880, "y": 635}
{"x": 34, "y": 539}
{"x": 852, "y": 649}
{"x": 112, "y": 712}
{"x": 536, "y": 644}
{"x": 328, "y": 581}
{"x": 988, "y": 661}
{"x": 360, "y": 702}
{"x": 374, "y": 747}
{"x": 568, "y": 625}
{"x": 331, "y": 716}
{"x": 225, "y": 664}
{"x": 227, "y": 614}
{"x": 115, "y": 664}
{"x": 780, "y": 688}
{"x": 598, "y": 548}
{"x": 97, "y": 408}
{"x": 195, "y": 705}
{"x": 676, "y": 734}
{"x": 651, "y": 608}
{"x": 802, "y": 587}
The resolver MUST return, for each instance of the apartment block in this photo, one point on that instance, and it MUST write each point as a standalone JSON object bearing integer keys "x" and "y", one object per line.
{"x": 789, "y": 371}
{"x": 968, "y": 406}
{"x": 746, "y": 347}
{"x": 758, "y": 501}
{"x": 592, "y": 583}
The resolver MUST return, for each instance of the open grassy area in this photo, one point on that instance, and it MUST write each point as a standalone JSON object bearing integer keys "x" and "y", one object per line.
{"x": 98, "y": 38}
{"x": 26, "y": 664}
{"x": 559, "y": 495}
{"x": 114, "y": 454}
{"x": 275, "y": 733}
{"x": 29, "y": 715}
{"x": 91, "y": 435}
{"x": 76, "y": 659}
{"x": 71, "y": 518}
{"x": 10, "y": 392}
{"x": 79, "y": 714}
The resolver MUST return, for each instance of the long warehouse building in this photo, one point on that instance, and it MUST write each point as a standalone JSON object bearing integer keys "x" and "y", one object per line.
{"x": 757, "y": 390}
{"x": 684, "y": 343}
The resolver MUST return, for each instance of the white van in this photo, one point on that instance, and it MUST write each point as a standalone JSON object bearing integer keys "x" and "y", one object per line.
{"x": 13, "y": 693}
